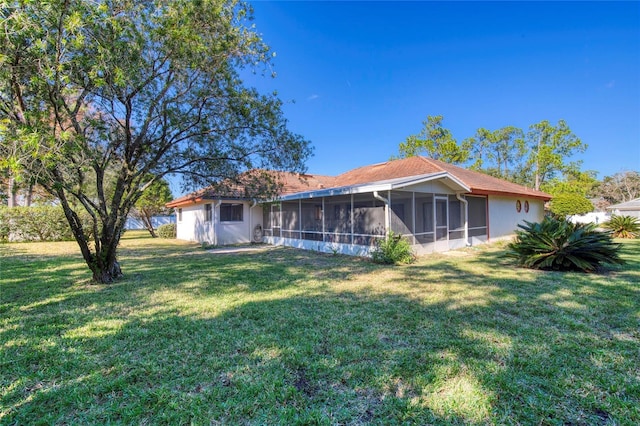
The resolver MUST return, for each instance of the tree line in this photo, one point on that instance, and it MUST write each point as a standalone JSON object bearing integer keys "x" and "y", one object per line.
{"x": 538, "y": 158}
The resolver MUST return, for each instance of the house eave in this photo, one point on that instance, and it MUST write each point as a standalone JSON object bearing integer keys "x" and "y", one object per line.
{"x": 539, "y": 196}
{"x": 195, "y": 200}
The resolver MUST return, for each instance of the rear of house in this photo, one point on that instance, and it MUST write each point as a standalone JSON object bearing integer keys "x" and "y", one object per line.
{"x": 436, "y": 206}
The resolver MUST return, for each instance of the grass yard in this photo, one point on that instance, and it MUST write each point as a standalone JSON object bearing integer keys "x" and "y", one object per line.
{"x": 293, "y": 337}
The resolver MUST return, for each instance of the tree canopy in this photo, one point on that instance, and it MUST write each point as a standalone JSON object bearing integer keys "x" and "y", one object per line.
{"x": 435, "y": 141}
{"x": 550, "y": 148}
{"x": 620, "y": 187}
{"x": 95, "y": 97}
{"x": 499, "y": 153}
{"x": 531, "y": 159}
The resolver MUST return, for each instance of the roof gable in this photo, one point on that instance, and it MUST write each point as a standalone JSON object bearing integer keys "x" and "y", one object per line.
{"x": 628, "y": 205}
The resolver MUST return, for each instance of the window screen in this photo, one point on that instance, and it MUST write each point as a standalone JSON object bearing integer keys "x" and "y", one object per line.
{"x": 231, "y": 212}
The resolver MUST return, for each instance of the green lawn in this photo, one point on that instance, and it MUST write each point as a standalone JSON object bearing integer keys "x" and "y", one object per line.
{"x": 293, "y": 337}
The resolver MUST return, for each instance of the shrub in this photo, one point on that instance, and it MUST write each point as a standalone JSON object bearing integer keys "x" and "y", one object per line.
{"x": 560, "y": 245}
{"x": 168, "y": 230}
{"x": 4, "y": 224}
{"x": 394, "y": 249}
{"x": 38, "y": 223}
{"x": 35, "y": 223}
{"x": 623, "y": 226}
{"x": 563, "y": 205}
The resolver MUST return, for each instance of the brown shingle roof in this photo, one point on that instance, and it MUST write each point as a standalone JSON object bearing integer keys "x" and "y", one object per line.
{"x": 412, "y": 166}
{"x": 485, "y": 184}
{"x": 479, "y": 183}
{"x": 290, "y": 183}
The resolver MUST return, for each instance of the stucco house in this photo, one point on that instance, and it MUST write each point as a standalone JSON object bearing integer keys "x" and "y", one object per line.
{"x": 437, "y": 206}
{"x": 629, "y": 208}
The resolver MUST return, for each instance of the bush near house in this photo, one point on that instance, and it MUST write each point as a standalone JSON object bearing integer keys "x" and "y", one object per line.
{"x": 168, "y": 230}
{"x": 563, "y": 205}
{"x": 560, "y": 245}
{"x": 394, "y": 249}
{"x": 623, "y": 226}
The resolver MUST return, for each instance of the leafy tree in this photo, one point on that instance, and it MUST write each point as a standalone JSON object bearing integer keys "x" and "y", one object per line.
{"x": 621, "y": 187}
{"x": 583, "y": 183}
{"x": 499, "y": 153}
{"x": 550, "y": 147}
{"x": 435, "y": 141}
{"x": 565, "y": 204}
{"x": 95, "y": 97}
{"x": 152, "y": 203}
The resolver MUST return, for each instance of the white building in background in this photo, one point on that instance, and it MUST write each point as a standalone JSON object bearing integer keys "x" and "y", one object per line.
{"x": 629, "y": 208}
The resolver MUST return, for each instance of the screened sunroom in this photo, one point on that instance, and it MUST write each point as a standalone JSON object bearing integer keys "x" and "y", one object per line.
{"x": 430, "y": 212}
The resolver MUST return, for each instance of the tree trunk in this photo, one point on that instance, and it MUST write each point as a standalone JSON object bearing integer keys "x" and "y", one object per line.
{"x": 11, "y": 193}
{"x": 107, "y": 272}
{"x": 537, "y": 171}
{"x": 29, "y": 195}
{"x": 103, "y": 264}
{"x": 146, "y": 219}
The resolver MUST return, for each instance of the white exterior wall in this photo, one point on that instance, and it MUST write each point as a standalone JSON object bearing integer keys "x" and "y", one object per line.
{"x": 255, "y": 215}
{"x": 186, "y": 228}
{"x": 193, "y": 227}
{"x": 232, "y": 232}
{"x": 503, "y": 217}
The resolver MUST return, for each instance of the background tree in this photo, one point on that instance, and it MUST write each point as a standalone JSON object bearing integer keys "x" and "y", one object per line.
{"x": 621, "y": 187}
{"x": 499, "y": 153}
{"x": 565, "y": 204}
{"x": 574, "y": 182}
{"x": 152, "y": 202}
{"x": 550, "y": 148}
{"x": 435, "y": 141}
{"x": 97, "y": 96}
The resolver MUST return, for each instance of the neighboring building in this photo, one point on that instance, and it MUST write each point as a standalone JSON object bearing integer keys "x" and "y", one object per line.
{"x": 630, "y": 208}
{"x": 436, "y": 205}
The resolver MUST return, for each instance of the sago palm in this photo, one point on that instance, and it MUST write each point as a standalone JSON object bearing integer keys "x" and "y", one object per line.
{"x": 561, "y": 245}
{"x": 623, "y": 226}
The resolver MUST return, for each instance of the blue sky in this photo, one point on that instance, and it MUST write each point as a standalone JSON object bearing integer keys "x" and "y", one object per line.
{"x": 359, "y": 77}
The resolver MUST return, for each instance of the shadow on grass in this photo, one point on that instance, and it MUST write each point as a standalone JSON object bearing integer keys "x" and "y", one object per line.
{"x": 493, "y": 346}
